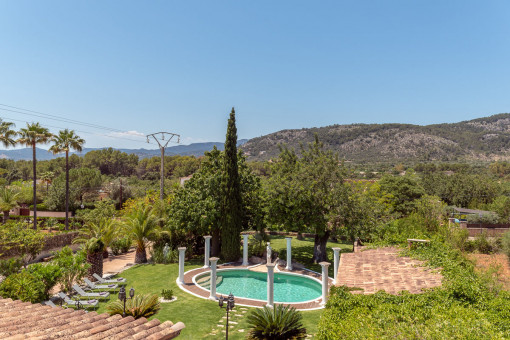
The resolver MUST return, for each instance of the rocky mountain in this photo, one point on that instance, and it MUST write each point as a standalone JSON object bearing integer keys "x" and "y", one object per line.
{"x": 481, "y": 139}
{"x": 194, "y": 149}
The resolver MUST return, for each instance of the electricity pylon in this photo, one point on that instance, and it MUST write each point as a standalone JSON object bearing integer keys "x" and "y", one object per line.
{"x": 162, "y": 147}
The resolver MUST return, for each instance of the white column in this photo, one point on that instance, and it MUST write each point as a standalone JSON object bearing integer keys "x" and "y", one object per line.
{"x": 245, "y": 249}
{"x": 335, "y": 264}
{"x": 207, "y": 250}
{"x": 325, "y": 283}
{"x": 289, "y": 254}
{"x": 270, "y": 284}
{"x": 181, "y": 264}
{"x": 268, "y": 251}
{"x": 214, "y": 260}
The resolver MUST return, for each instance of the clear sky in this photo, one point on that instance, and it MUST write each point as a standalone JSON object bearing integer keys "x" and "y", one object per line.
{"x": 179, "y": 66}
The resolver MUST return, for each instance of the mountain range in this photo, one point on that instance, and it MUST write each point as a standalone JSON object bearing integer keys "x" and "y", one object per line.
{"x": 482, "y": 139}
{"x": 194, "y": 149}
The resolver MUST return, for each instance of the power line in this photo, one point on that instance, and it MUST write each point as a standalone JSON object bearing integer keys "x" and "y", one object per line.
{"x": 87, "y": 132}
{"x": 57, "y": 118}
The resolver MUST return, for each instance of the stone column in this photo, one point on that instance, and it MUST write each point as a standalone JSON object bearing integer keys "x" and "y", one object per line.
{"x": 207, "y": 250}
{"x": 245, "y": 249}
{"x": 289, "y": 254}
{"x": 325, "y": 283}
{"x": 212, "y": 280}
{"x": 182, "y": 251}
{"x": 335, "y": 264}
{"x": 270, "y": 284}
{"x": 269, "y": 253}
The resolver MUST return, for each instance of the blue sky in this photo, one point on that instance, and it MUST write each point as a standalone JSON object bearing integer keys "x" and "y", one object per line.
{"x": 147, "y": 66}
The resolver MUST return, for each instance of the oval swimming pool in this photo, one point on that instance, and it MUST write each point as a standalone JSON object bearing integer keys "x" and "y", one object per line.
{"x": 253, "y": 285}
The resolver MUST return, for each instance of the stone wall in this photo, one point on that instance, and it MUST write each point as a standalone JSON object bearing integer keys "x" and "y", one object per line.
{"x": 50, "y": 242}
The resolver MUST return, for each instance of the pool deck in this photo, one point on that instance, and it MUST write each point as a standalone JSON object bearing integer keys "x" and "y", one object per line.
{"x": 192, "y": 288}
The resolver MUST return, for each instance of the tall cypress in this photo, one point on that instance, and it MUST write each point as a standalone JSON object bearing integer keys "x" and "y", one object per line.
{"x": 231, "y": 202}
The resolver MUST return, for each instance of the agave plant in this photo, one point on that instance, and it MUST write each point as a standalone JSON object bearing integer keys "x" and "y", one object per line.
{"x": 278, "y": 323}
{"x": 143, "y": 305}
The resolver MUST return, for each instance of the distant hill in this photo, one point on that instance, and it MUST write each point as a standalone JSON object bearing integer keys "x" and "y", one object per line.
{"x": 195, "y": 149}
{"x": 481, "y": 139}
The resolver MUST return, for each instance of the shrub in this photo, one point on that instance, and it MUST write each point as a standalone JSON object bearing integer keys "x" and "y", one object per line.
{"x": 139, "y": 306}
{"x": 48, "y": 274}
{"x": 167, "y": 294}
{"x": 23, "y": 286}
{"x": 73, "y": 267}
{"x": 120, "y": 246}
{"x": 10, "y": 266}
{"x": 484, "y": 244}
{"x": 278, "y": 323}
{"x": 488, "y": 218}
{"x": 158, "y": 255}
{"x": 458, "y": 237}
{"x": 505, "y": 244}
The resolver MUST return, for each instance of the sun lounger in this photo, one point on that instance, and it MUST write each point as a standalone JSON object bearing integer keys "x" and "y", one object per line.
{"x": 92, "y": 285}
{"x": 49, "y": 303}
{"x": 82, "y": 293}
{"x": 118, "y": 280}
{"x": 83, "y": 303}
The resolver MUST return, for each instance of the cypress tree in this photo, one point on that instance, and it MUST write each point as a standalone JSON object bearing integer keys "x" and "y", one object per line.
{"x": 231, "y": 202}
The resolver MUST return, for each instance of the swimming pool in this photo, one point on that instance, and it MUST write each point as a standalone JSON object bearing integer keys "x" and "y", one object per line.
{"x": 253, "y": 285}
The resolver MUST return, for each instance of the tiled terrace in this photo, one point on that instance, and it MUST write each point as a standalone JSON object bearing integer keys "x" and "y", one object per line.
{"x": 24, "y": 320}
{"x": 382, "y": 269}
{"x": 193, "y": 288}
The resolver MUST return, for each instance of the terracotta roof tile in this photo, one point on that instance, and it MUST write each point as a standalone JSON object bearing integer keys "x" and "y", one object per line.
{"x": 23, "y": 320}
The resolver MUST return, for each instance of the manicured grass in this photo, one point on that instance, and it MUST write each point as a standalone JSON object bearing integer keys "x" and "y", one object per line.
{"x": 203, "y": 317}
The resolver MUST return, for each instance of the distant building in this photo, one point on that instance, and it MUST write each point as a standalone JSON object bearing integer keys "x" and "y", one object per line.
{"x": 182, "y": 180}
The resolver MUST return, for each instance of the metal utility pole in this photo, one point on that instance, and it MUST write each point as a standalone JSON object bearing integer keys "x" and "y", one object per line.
{"x": 162, "y": 147}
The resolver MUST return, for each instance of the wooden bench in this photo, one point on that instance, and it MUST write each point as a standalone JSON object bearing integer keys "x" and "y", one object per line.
{"x": 410, "y": 241}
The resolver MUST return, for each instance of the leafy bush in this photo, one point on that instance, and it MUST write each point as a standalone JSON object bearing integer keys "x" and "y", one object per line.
{"x": 489, "y": 218}
{"x": 167, "y": 294}
{"x": 73, "y": 267}
{"x": 20, "y": 237}
{"x": 257, "y": 244}
{"x": 139, "y": 306}
{"x": 10, "y": 266}
{"x": 23, "y": 286}
{"x": 278, "y": 323}
{"x": 48, "y": 274}
{"x": 458, "y": 237}
{"x": 120, "y": 246}
{"x": 505, "y": 243}
{"x": 486, "y": 245}
{"x": 158, "y": 255}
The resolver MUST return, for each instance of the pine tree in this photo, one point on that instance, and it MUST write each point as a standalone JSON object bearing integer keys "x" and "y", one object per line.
{"x": 231, "y": 202}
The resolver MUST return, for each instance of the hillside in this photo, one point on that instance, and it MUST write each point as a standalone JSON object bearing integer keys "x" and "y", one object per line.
{"x": 481, "y": 139}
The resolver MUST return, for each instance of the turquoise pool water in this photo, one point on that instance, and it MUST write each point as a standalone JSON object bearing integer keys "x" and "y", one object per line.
{"x": 253, "y": 285}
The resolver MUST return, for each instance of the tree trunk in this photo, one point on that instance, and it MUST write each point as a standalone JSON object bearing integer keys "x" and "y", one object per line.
{"x": 67, "y": 190}
{"x": 215, "y": 242}
{"x": 96, "y": 264}
{"x": 6, "y": 216}
{"x": 35, "y": 185}
{"x": 140, "y": 255}
{"x": 105, "y": 253}
{"x": 319, "y": 248}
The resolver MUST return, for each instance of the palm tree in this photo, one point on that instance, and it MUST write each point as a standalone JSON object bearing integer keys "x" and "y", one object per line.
{"x": 141, "y": 225}
{"x": 7, "y": 201}
{"x": 32, "y": 135}
{"x": 105, "y": 229}
{"x": 65, "y": 141}
{"x": 6, "y": 134}
{"x": 47, "y": 177}
{"x": 278, "y": 323}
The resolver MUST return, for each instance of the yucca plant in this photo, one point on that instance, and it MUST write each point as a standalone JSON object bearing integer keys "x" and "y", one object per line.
{"x": 143, "y": 305}
{"x": 278, "y": 323}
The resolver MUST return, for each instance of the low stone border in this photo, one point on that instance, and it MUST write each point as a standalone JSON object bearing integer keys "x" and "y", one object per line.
{"x": 167, "y": 301}
{"x": 190, "y": 287}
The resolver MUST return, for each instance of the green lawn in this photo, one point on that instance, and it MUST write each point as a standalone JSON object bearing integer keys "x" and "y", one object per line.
{"x": 203, "y": 317}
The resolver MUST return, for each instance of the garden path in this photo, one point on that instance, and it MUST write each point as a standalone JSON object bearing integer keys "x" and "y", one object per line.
{"x": 382, "y": 269}
{"x": 116, "y": 264}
